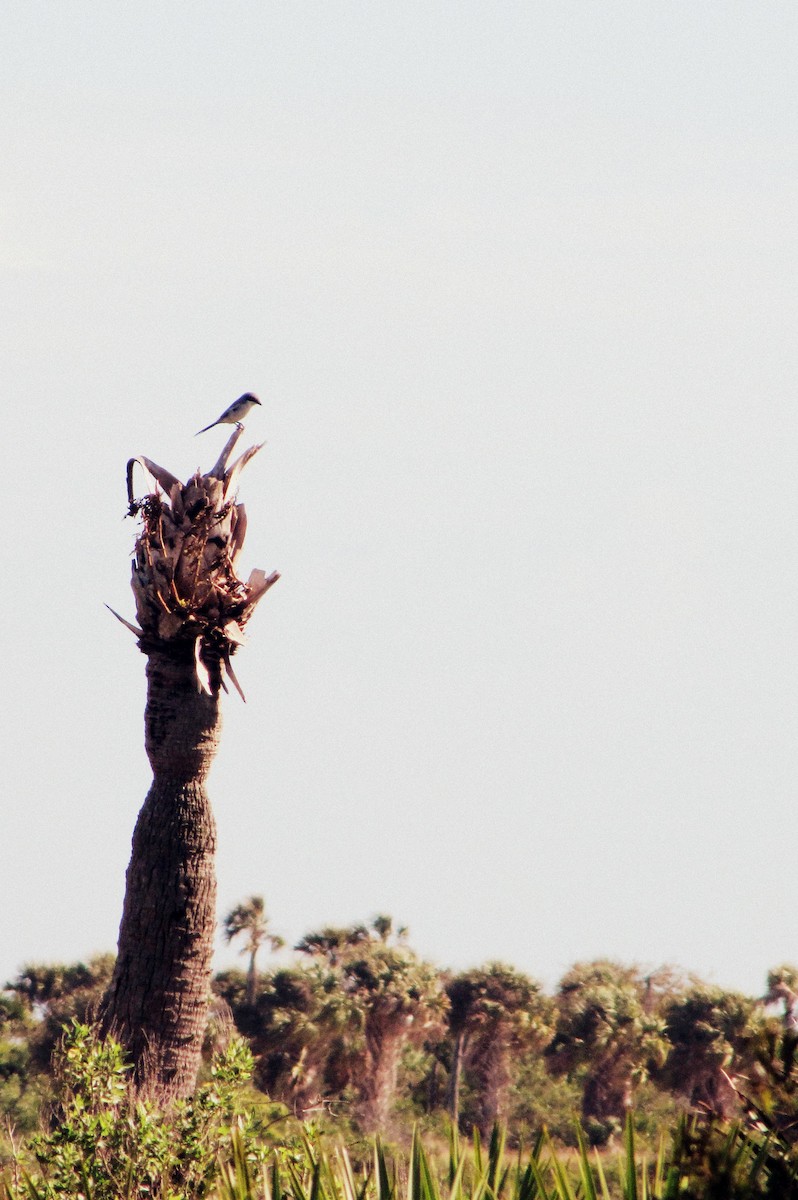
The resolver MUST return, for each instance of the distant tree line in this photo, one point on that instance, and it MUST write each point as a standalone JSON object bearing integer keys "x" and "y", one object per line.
{"x": 360, "y": 1028}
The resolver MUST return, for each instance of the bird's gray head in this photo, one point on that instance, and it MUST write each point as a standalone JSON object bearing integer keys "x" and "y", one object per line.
{"x": 250, "y": 397}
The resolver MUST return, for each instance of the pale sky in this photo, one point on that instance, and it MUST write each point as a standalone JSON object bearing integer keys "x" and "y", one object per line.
{"x": 516, "y": 284}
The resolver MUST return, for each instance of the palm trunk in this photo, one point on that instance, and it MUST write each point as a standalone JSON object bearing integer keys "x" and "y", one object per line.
{"x": 494, "y": 1079}
{"x": 192, "y": 609}
{"x": 433, "y": 1091}
{"x": 157, "y": 1003}
{"x": 252, "y": 979}
{"x": 455, "y": 1075}
{"x": 378, "y": 1085}
{"x": 606, "y": 1099}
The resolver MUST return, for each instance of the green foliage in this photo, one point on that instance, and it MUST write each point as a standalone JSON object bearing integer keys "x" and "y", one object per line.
{"x": 43, "y": 984}
{"x": 607, "y": 1029}
{"x": 713, "y": 1160}
{"x": 299, "y": 1031}
{"x": 21, "y": 1092}
{"x": 709, "y": 1031}
{"x": 336, "y": 1027}
{"x": 705, "y": 1162}
{"x": 332, "y": 942}
{"x": 51, "y": 995}
{"x": 497, "y": 1017}
{"x": 392, "y": 999}
{"x": 785, "y": 976}
{"x": 363, "y": 1036}
{"x": 537, "y": 1099}
{"x": 103, "y": 1143}
{"x": 13, "y": 1010}
{"x": 250, "y": 919}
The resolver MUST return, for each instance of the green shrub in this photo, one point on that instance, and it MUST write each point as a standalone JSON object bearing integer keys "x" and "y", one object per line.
{"x": 229, "y": 1143}
{"x": 104, "y": 1143}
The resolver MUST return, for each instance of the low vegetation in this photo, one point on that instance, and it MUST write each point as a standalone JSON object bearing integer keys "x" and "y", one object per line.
{"x": 361, "y": 1072}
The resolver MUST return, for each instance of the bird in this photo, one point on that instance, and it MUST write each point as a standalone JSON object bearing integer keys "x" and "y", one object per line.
{"x": 232, "y": 415}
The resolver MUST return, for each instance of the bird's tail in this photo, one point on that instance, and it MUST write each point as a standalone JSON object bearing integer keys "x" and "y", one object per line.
{"x": 207, "y": 427}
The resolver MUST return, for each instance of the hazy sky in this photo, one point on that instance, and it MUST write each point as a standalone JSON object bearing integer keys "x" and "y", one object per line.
{"x": 517, "y": 284}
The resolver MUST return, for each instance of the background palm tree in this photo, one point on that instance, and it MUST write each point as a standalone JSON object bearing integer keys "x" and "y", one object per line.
{"x": 54, "y": 994}
{"x": 332, "y": 942}
{"x": 609, "y": 1031}
{"x": 391, "y": 999}
{"x": 495, "y": 1013}
{"x": 709, "y": 1033}
{"x": 250, "y": 919}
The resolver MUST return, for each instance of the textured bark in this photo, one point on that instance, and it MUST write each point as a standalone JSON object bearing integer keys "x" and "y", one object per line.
{"x": 378, "y": 1085}
{"x": 158, "y": 1000}
{"x": 493, "y": 1071}
{"x": 252, "y": 979}
{"x": 455, "y": 1076}
{"x": 606, "y": 1099}
{"x": 192, "y": 609}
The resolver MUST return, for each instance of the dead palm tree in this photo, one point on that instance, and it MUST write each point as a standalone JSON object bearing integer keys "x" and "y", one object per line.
{"x": 250, "y": 919}
{"x": 191, "y": 609}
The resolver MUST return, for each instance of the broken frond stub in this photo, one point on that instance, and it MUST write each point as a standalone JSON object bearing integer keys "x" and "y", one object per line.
{"x": 189, "y": 601}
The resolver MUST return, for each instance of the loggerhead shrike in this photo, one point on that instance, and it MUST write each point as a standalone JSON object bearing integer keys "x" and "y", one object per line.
{"x": 232, "y": 415}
